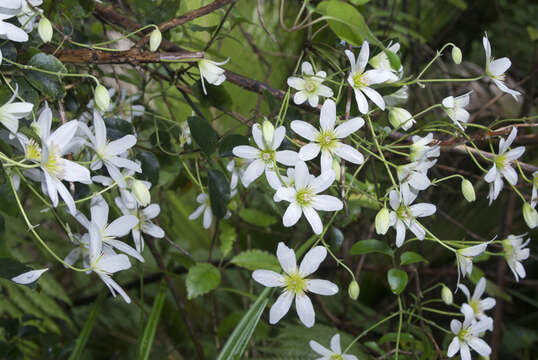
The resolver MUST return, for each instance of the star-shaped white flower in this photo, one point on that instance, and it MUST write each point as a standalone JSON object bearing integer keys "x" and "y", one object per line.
{"x": 335, "y": 353}
{"x": 11, "y": 112}
{"x": 495, "y": 69}
{"x": 422, "y": 151}
{"x": 413, "y": 178}
{"x": 478, "y": 305}
{"x": 468, "y": 335}
{"x": 304, "y": 197}
{"x": 327, "y": 139}
{"x": 237, "y": 168}
{"x": 361, "y": 80}
{"x": 310, "y": 86}
{"x": 502, "y": 166}
{"x": 205, "y": 208}
{"x": 296, "y": 283}
{"x": 464, "y": 258}
{"x": 515, "y": 251}
{"x": 265, "y": 157}
{"x": 211, "y": 71}
{"x": 381, "y": 62}
{"x": 455, "y": 108}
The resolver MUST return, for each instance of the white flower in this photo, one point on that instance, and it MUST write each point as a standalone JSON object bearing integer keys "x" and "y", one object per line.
{"x": 205, "y": 207}
{"x": 304, "y": 197}
{"x": 381, "y": 62}
{"x": 361, "y": 80}
{"x": 211, "y": 71}
{"x": 29, "y": 16}
{"x": 397, "y": 98}
{"x": 454, "y": 108}
{"x": 399, "y": 117}
{"x": 11, "y": 112}
{"x": 310, "y": 87}
{"x": 295, "y": 283}
{"x": 8, "y": 9}
{"x": 335, "y": 353}
{"x": 403, "y": 216}
{"x": 495, "y": 69}
{"x": 475, "y": 302}
{"x": 28, "y": 277}
{"x": 413, "y": 177}
{"x": 515, "y": 252}
{"x": 327, "y": 139}
{"x": 11, "y": 7}
{"x": 237, "y": 167}
{"x": 502, "y": 166}
{"x": 467, "y": 335}
{"x": 464, "y": 258}
{"x": 265, "y": 157}
{"x": 421, "y": 151}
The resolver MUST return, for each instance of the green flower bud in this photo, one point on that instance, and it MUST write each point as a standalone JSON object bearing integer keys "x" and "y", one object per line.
{"x": 155, "y": 40}
{"x": 382, "y": 221}
{"x": 353, "y": 290}
{"x": 456, "y": 55}
{"x": 102, "y": 98}
{"x": 36, "y": 128}
{"x": 446, "y": 295}
{"x": 530, "y": 215}
{"x": 141, "y": 193}
{"x": 468, "y": 190}
{"x": 268, "y": 131}
{"x": 45, "y": 29}
{"x": 399, "y": 117}
{"x": 336, "y": 169}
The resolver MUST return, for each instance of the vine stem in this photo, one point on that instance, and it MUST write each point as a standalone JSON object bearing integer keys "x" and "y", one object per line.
{"x": 400, "y": 320}
{"x": 370, "y": 329}
{"x": 380, "y": 151}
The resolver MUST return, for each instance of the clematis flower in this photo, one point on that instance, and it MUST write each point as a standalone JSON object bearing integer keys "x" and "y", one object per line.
{"x": 467, "y": 335}
{"x": 381, "y": 62}
{"x": 310, "y": 86}
{"x": 8, "y": 9}
{"x": 304, "y": 197}
{"x": 335, "y": 353}
{"x": 515, "y": 251}
{"x": 478, "y": 305}
{"x": 413, "y": 178}
{"x": 296, "y": 283}
{"x": 327, "y": 139}
{"x": 28, "y": 277}
{"x": 29, "y": 15}
{"x": 403, "y": 216}
{"x": 211, "y": 71}
{"x": 422, "y": 151}
{"x": 454, "y": 108}
{"x": 237, "y": 168}
{"x": 401, "y": 118}
{"x": 11, "y": 112}
{"x": 361, "y": 80}
{"x": 205, "y": 208}
{"x": 502, "y": 166}
{"x": 11, "y": 7}
{"x": 464, "y": 258}
{"x": 495, "y": 69}
{"x": 265, "y": 157}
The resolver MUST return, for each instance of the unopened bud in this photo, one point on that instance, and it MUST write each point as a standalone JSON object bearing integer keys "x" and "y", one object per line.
{"x": 382, "y": 221}
{"x": 456, "y": 55}
{"x": 141, "y": 193}
{"x": 36, "y": 128}
{"x": 268, "y": 131}
{"x": 446, "y": 295}
{"x": 155, "y": 40}
{"x": 336, "y": 169}
{"x": 45, "y": 29}
{"x": 353, "y": 290}
{"x": 399, "y": 117}
{"x": 102, "y": 98}
{"x": 530, "y": 215}
{"x": 468, "y": 190}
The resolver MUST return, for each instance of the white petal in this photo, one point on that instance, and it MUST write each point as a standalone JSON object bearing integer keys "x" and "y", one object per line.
{"x": 491, "y": 174}
{"x": 301, "y": 175}
{"x": 362, "y": 103}
{"x": 304, "y": 129}
{"x": 314, "y": 219}
{"x": 28, "y": 277}
{"x": 323, "y": 181}
{"x": 352, "y": 61}
{"x": 454, "y": 347}
{"x": 121, "y": 226}
{"x": 515, "y": 153}
{"x": 286, "y": 258}
{"x": 75, "y": 172}
{"x": 325, "y": 91}
{"x": 114, "y": 285}
{"x": 268, "y": 278}
{"x": 309, "y": 151}
{"x": 257, "y": 135}
{"x": 480, "y": 346}
{"x": 153, "y": 230}
{"x": 272, "y": 179}
{"x": 292, "y": 215}
{"x": 120, "y": 162}
{"x": 328, "y": 115}
{"x": 305, "y": 310}
{"x": 326, "y": 162}
{"x": 299, "y": 97}
{"x": 455, "y": 326}
{"x": 487, "y": 303}
{"x": 327, "y": 203}
{"x": 152, "y": 211}
{"x": 306, "y": 68}
{"x": 321, "y": 350}
{"x": 114, "y": 263}
{"x": 400, "y": 233}
{"x": 286, "y": 157}
{"x": 123, "y": 247}
{"x": 208, "y": 217}
{"x": 196, "y": 214}
{"x": 348, "y": 127}
{"x": 375, "y": 97}
{"x": 422, "y": 209}
{"x": 363, "y": 56}
{"x": 286, "y": 194}
{"x": 313, "y": 100}
{"x": 464, "y": 351}
{"x": 280, "y": 307}
{"x": 311, "y": 261}
{"x": 246, "y": 152}
{"x": 296, "y": 83}
{"x": 335, "y": 344}
{"x": 349, "y": 153}
{"x": 253, "y": 171}
{"x": 322, "y": 287}
{"x": 487, "y": 48}
{"x": 499, "y": 66}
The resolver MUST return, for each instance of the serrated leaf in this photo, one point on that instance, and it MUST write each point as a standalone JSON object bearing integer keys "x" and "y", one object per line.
{"x": 257, "y": 259}
{"x": 227, "y": 238}
{"x": 257, "y": 217}
{"x": 219, "y": 192}
{"x": 49, "y": 85}
{"x": 410, "y": 257}
{"x": 229, "y": 142}
{"x": 203, "y": 134}
{"x": 370, "y": 246}
{"x": 397, "y": 280}
{"x": 201, "y": 279}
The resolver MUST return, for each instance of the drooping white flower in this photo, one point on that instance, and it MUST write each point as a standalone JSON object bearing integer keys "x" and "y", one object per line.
{"x": 478, "y": 305}
{"x": 265, "y": 157}
{"x": 28, "y": 277}
{"x": 335, "y": 353}
{"x": 464, "y": 258}
{"x": 310, "y": 86}
{"x": 381, "y": 62}
{"x": 403, "y": 216}
{"x": 304, "y": 197}
{"x": 211, "y": 71}
{"x": 361, "y": 80}
{"x": 495, "y": 69}
{"x": 502, "y": 166}
{"x": 296, "y": 283}
{"x": 455, "y": 108}
{"x": 11, "y": 112}
{"x": 515, "y": 251}
{"x": 468, "y": 335}
{"x": 205, "y": 208}
{"x": 328, "y": 139}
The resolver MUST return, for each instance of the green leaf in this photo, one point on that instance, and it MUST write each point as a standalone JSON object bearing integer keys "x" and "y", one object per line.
{"x": 410, "y": 257}
{"x": 370, "y": 246}
{"x": 229, "y": 142}
{"x": 257, "y": 217}
{"x": 117, "y": 127}
{"x": 145, "y": 342}
{"x": 8, "y": 203}
{"x": 201, "y": 279}
{"x": 257, "y": 259}
{"x": 219, "y": 192}
{"x": 397, "y": 280}
{"x": 150, "y": 166}
{"x": 227, "y": 238}
{"x": 203, "y": 134}
{"x": 10, "y": 268}
{"x": 394, "y": 60}
{"x": 533, "y": 33}
{"x": 82, "y": 339}
{"x": 49, "y": 85}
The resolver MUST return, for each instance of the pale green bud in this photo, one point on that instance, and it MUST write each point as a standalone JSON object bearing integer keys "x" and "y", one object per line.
{"x": 456, "y": 55}
{"x": 353, "y": 290}
{"x": 399, "y": 117}
{"x": 446, "y": 295}
{"x": 468, "y": 190}
{"x": 36, "y": 128}
{"x": 45, "y": 29}
{"x": 155, "y": 40}
{"x": 268, "y": 131}
{"x": 141, "y": 193}
{"x": 382, "y": 221}
{"x": 336, "y": 169}
{"x": 530, "y": 215}
{"x": 102, "y": 98}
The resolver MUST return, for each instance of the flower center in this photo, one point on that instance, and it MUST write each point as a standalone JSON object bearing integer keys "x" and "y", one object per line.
{"x": 295, "y": 283}
{"x": 465, "y": 335}
{"x": 304, "y": 197}
{"x": 500, "y": 161}
{"x": 326, "y": 139}
{"x": 358, "y": 80}
{"x": 53, "y": 163}
{"x": 33, "y": 151}
{"x": 336, "y": 357}
{"x": 403, "y": 212}
{"x": 310, "y": 86}
{"x": 475, "y": 304}
{"x": 268, "y": 156}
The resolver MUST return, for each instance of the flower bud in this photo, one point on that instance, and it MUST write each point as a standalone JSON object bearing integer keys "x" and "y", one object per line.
{"x": 446, "y": 295}
{"x": 102, "y": 98}
{"x": 45, "y": 29}
{"x": 336, "y": 169}
{"x": 141, "y": 193}
{"x": 456, "y": 55}
{"x": 353, "y": 290}
{"x": 155, "y": 40}
{"x": 382, "y": 221}
{"x": 468, "y": 190}
{"x": 399, "y": 117}
{"x": 530, "y": 215}
{"x": 268, "y": 131}
{"x": 36, "y": 128}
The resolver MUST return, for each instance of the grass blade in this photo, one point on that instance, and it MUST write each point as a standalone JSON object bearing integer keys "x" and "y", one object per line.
{"x": 82, "y": 339}
{"x": 145, "y": 342}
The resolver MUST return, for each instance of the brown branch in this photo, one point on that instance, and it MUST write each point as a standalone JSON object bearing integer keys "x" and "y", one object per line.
{"x": 134, "y": 55}
{"x": 191, "y": 15}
